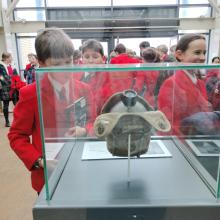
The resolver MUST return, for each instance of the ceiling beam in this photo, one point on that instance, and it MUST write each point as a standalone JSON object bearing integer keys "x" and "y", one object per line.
{"x": 197, "y": 24}
{"x": 184, "y": 24}
{"x": 27, "y": 26}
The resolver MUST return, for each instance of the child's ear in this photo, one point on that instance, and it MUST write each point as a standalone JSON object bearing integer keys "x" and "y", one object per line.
{"x": 179, "y": 55}
{"x": 103, "y": 59}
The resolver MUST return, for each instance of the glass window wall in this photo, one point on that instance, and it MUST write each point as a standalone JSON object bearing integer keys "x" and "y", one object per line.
{"x": 30, "y": 15}
{"x": 28, "y": 3}
{"x": 194, "y": 12}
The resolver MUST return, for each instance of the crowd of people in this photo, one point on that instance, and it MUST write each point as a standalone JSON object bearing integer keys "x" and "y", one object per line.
{"x": 178, "y": 94}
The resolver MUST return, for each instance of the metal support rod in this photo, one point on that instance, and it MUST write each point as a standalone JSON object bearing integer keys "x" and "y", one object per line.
{"x": 129, "y": 156}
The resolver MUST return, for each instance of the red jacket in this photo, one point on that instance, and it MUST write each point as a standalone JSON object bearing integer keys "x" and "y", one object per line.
{"x": 28, "y": 66}
{"x": 150, "y": 82}
{"x": 179, "y": 97}
{"x": 212, "y": 73}
{"x": 26, "y": 123}
{"x": 97, "y": 81}
{"x": 124, "y": 58}
{"x": 10, "y": 70}
{"x": 125, "y": 80}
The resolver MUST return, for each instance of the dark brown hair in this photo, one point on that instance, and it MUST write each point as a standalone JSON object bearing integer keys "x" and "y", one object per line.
{"x": 184, "y": 41}
{"x": 77, "y": 54}
{"x": 120, "y": 48}
{"x": 53, "y": 43}
{"x": 150, "y": 55}
{"x": 214, "y": 58}
{"x": 144, "y": 44}
{"x": 93, "y": 45}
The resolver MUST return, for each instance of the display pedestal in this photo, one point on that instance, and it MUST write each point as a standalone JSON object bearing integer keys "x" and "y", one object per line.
{"x": 160, "y": 188}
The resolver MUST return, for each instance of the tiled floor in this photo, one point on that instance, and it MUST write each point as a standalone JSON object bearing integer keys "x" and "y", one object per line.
{"x": 16, "y": 194}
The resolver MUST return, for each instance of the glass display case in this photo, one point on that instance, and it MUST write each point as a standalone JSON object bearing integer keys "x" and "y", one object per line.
{"x": 129, "y": 141}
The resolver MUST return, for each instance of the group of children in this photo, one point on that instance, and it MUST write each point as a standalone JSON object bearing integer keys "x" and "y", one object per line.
{"x": 179, "y": 96}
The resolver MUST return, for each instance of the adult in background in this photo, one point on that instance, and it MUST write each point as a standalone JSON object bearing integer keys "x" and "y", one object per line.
{"x": 7, "y": 92}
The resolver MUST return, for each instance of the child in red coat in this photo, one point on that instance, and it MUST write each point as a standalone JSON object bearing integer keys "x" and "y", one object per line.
{"x": 182, "y": 94}
{"x": 93, "y": 53}
{"x": 53, "y": 48}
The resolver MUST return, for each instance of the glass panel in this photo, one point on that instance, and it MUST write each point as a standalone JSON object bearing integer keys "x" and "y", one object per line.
{"x": 82, "y": 3}
{"x": 194, "y": 12}
{"x": 159, "y": 108}
{"x": 28, "y": 3}
{"x": 30, "y": 15}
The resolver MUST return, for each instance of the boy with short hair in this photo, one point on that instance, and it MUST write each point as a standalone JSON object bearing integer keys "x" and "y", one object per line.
{"x": 53, "y": 48}
{"x": 93, "y": 53}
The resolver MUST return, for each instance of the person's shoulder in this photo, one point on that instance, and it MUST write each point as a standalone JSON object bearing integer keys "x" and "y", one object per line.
{"x": 134, "y": 60}
{"x": 113, "y": 60}
{"x": 119, "y": 59}
{"x": 168, "y": 83}
{"x": 2, "y": 67}
{"x": 1, "y": 64}
{"x": 29, "y": 88}
{"x": 28, "y": 92}
{"x": 28, "y": 66}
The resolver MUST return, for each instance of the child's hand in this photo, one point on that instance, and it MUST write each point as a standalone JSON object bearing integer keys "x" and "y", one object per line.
{"x": 76, "y": 132}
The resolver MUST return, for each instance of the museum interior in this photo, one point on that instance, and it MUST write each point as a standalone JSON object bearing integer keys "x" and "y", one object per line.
{"x": 109, "y": 109}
